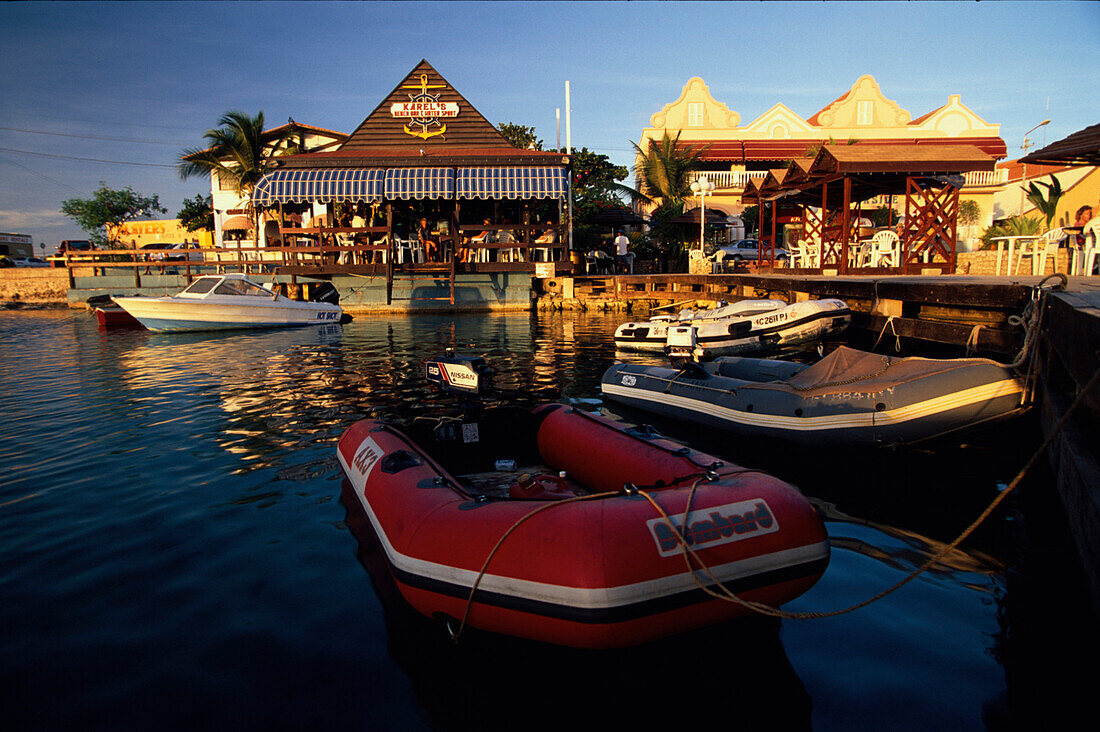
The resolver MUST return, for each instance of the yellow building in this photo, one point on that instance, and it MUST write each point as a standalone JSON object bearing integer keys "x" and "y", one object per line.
{"x": 167, "y": 231}
{"x": 1080, "y": 187}
{"x": 736, "y": 152}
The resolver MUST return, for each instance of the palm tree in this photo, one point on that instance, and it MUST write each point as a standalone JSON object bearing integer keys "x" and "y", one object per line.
{"x": 1046, "y": 204}
{"x": 237, "y": 153}
{"x": 662, "y": 170}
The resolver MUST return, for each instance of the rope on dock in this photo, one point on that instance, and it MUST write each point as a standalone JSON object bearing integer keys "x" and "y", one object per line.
{"x": 726, "y": 594}
{"x": 1031, "y": 320}
{"x": 889, "y": 324}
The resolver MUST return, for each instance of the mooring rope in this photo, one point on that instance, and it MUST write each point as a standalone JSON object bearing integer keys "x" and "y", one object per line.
{"x": 724, "y": 593}
{"x": 972, "y": 340}
{"x": 763, "y": 609}
{"x": 889, "y": 324}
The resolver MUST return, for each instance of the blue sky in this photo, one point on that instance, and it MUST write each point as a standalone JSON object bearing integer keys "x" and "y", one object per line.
{"x": 153, "y": 77}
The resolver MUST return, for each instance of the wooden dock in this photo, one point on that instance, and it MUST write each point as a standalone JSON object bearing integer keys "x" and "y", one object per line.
{"x": 967, "y": 311}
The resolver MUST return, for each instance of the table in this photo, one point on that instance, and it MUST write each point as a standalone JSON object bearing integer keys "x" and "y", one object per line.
{"x": 1011, "y": 248}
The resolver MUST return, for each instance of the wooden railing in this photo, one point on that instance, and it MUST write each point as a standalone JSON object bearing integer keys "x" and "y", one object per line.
{"x": 324, "y": 250}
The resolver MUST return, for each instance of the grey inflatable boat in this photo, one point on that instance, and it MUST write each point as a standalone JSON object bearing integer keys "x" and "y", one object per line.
{"x": 848, "y": 398}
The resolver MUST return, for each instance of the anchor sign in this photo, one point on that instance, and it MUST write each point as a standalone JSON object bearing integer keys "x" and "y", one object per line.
{"x": 424, "y": 110}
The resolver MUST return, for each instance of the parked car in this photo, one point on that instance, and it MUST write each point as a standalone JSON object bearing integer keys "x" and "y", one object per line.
{"x": 30, "y": 262}
{"x": 190, "y": 252}
{"x": 6, "y": 262}
{"x": 746, "y": 250}
{"x": 152, "y": 257}
{"x": 73, "y": 245}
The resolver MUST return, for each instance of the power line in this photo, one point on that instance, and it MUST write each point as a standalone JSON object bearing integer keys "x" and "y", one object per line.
{"x": 87, "y": 160}
{"x": 90, "y": 137}
{"x": 40, "y": 175}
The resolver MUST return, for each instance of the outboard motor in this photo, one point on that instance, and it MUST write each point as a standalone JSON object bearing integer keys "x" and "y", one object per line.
{"x": 468, "y": 376}
{"x": 324, "y": 292}
{"x": 681, "y": 343}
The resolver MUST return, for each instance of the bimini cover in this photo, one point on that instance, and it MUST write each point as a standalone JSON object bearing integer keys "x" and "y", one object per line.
{"x": 851, "y": 371}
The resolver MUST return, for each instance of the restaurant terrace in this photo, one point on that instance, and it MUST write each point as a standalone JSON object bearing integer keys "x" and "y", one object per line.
{"x": 424, "y": 186}
{"x": 824, "y": 195}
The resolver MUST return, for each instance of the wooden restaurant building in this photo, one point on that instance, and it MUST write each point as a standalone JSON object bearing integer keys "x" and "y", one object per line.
{"x": 823, "y": 195}
{"x": 424, "y": 201}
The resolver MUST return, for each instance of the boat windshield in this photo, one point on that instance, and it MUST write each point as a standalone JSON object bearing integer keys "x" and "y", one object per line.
{"x": 201, "y": 286}
{"x": 240, "y": 287}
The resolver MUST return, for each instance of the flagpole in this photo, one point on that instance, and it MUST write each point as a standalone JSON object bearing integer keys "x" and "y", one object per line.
{"x": 569, "y": 151}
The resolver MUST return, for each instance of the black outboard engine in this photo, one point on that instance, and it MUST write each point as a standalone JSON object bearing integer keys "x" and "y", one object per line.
{"x": 468, "y": 376}
{"x": 324, "y": 292}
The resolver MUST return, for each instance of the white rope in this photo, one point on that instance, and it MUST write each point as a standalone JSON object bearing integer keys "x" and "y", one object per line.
{"x": 889, "y": 324}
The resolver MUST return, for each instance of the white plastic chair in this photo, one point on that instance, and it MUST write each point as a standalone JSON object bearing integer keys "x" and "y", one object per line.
{"x": 718, "y": 262}
{"x": 1038, "y": 250}
{"x": 410, "y": 249}
{"x": 1085, "y": 260}
{"x": 344, "y": 240}
{"x": 885, "y": 250}
{"x": 798, "y": 254}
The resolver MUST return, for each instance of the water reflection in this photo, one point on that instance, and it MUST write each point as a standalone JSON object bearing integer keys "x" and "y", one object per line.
{"x": 488, "y": 682}
{"x": 169, "y": 515}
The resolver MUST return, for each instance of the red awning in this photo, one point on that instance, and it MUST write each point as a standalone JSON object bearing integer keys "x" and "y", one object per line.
{"x": 753, "y": 150}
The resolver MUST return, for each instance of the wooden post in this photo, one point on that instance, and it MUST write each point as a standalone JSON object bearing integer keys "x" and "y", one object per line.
{"x": 771, "y": 244}
{"x": 845, "y": 226}
{"x": 390, "y": 254}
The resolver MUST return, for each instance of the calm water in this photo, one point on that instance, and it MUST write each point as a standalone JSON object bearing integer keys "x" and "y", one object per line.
{"x": 174, "y": 553}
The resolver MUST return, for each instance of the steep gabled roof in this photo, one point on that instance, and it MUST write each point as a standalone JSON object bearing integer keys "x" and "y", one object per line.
{"x": 449, "y": 119}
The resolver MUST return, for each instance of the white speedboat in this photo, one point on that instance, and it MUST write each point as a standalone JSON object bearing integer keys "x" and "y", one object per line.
{"x": 793, "y": 325}
{"x": 652, "y": 335}
{"x": 217, "y": 302}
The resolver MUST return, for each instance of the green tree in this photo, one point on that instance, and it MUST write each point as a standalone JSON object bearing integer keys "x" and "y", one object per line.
{"x": 596, "y": 184}
{"x": 1013, "y": 226}
{"x": 1046, "y": 203}
{"x": 520, "y": 136}
{"x": 663, "y": 169}
{"x": 662, "y": 172}
{"x": 104, "y": 214}
{"x": 197, "y": 213}
{"x": 238, "y": 153}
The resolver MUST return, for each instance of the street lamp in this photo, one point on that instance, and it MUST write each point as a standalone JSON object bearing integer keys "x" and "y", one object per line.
{"x": 1028, "y": 144}
{"x": 701, "y": 187}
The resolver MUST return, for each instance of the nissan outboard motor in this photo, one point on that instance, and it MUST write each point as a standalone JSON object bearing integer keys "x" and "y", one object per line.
{"x": 324, "y": 292}
{"x": 467, "y": 376}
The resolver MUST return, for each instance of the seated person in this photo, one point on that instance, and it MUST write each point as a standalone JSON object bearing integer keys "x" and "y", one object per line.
{"x": 428, "y": 240}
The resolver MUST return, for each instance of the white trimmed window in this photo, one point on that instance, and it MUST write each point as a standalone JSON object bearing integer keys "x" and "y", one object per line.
{"x": 865, "y": 112}
{"x": 695, "y": 114}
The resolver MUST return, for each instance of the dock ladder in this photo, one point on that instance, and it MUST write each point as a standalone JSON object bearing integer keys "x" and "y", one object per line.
{"x": 412, "y": 272}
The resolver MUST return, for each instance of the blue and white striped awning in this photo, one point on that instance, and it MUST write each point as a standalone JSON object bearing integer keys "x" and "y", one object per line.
{"x": 512, "y": 182}
{"x": 324, "y": 184}
{"x": 419, "y": 183}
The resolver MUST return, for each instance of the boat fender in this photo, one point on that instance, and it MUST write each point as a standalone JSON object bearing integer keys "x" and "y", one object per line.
{"x": 740, "y": 328}
{"x": 541, "y": 487}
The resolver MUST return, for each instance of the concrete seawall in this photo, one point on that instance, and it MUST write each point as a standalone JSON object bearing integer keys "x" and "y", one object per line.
{"x": 34, "y": 285}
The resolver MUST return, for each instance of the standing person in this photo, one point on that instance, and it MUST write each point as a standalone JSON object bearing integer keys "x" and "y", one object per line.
{"x": 621, "y": 243}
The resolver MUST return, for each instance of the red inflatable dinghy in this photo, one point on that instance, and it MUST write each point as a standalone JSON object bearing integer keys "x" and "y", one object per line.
{"x": 455, "y": 506}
